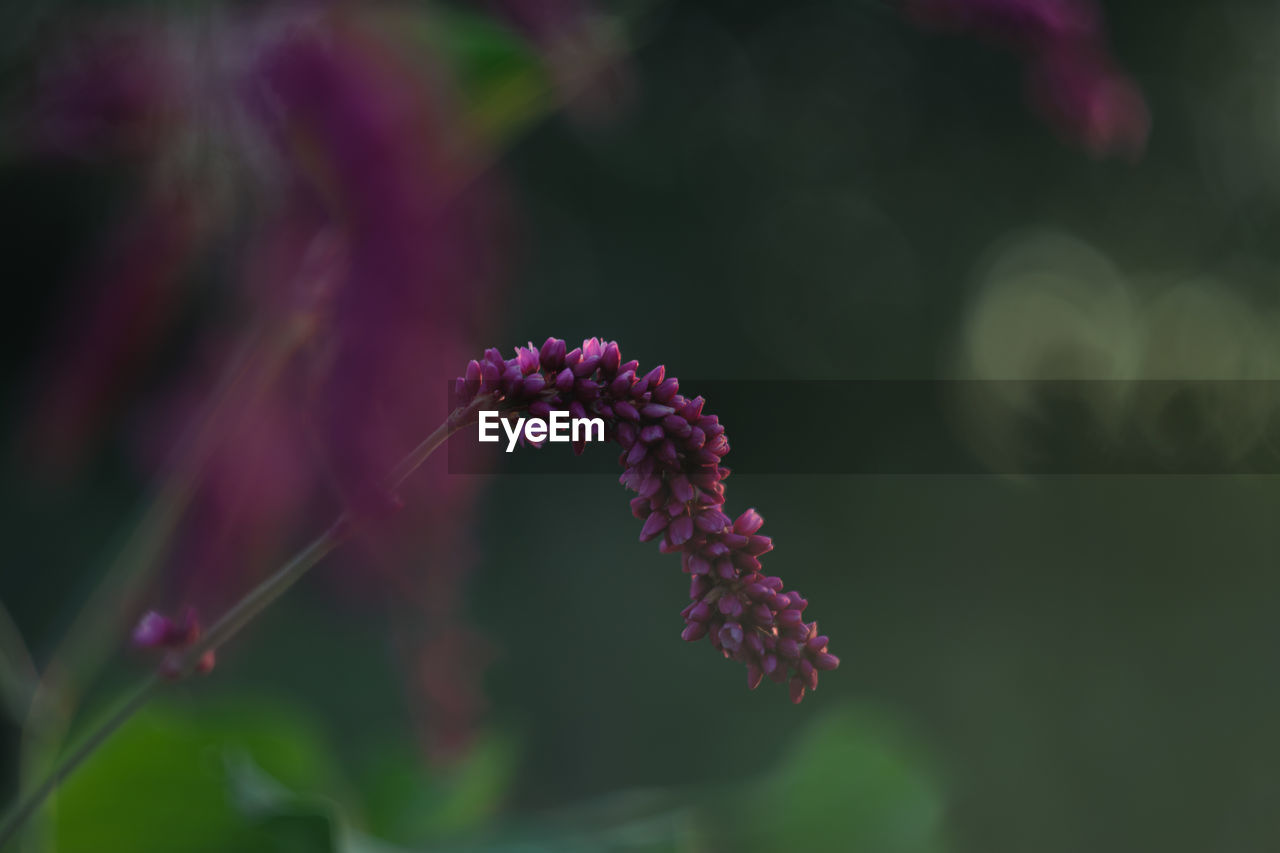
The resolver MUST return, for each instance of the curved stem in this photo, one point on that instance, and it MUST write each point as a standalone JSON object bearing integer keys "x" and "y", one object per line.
{"x": 241, "y": 614}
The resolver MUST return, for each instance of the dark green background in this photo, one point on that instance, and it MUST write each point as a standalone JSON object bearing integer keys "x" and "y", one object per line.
{"x": 812, "y": 190}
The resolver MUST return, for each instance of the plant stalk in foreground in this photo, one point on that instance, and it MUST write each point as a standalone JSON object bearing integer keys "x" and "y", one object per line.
{"x": 672, "y": 455}
{"x": 241, "y": 614}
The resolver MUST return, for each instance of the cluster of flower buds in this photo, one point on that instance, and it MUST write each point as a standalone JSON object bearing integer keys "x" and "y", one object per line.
{"x": 672, "y": 452}
{"x": 157, "y": 631}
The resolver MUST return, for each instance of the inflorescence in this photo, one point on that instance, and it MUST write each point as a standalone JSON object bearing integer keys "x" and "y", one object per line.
{"x": 157, "y": 631}
{"x": 672, "y": 453}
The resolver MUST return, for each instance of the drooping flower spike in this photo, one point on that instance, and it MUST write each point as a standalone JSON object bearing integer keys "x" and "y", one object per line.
{"x": 671, "y": 452}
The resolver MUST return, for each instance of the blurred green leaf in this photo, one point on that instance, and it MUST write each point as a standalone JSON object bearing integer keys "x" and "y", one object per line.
{"x": 852, "y": 781}
{"x": 295, "y": 822}
{"x": 411, "y": 802}
{"x": 168, "y": 780}
{"x": 503, "y": 81}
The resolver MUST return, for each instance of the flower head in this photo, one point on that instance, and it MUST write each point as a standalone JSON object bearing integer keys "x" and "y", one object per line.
{"x": 157, "y": 631}
{"x": 672, "y": 452}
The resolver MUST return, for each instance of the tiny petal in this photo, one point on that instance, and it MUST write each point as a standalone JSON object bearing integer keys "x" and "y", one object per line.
{"x": 709, "y": 521}
{"x": 527, "y": 359}
{"x": 681, "y": 530}
{"x": 637, "y": 453}
{"x": 749, "y": 522}
{"x": 694, "y": 631}
{"x": 825, "y": 661}
{"x": 552, "y": 354}
{"x": 610, "y": 358}
{"x": 676, "y": 426}
{"x": 681, "y": 488}
{"x": 533, "y": 384}
{"x": 651, "y": 485}
{"x": 789, "y": 618}
{"x": 153, "y": 630}
{"x": 730, "y": 635}
{"x": 490, "y": 376}
{"x": 622, "y": 383}
{"x": 666, "y": 452}
{"x": 666, "y": 390}
{"x": 730, "y": 606}
{"x": 692, "y": 409}
{"x": 653, "y": 525}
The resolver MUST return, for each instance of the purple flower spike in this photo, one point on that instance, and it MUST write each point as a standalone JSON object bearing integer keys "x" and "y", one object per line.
{"x": 672, "y": 453}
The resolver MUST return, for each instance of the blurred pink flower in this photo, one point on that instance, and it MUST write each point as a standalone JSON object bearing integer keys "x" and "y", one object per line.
{"x": 366, "y": 238}
{"x": 1072, "y": 80}
{"x": 111, "y": 329}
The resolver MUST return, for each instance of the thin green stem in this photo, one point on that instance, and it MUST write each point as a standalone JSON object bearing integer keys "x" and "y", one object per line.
{"x": 241, "y": 614}
{"x": 31, "y": 801}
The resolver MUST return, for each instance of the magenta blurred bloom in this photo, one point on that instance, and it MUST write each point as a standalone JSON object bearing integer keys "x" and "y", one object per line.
{"x": 671, "y": 453}
{"x": 154, "y": 630}
{"x": 1073, "y": 82}
{"x": 340, "y": 171}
